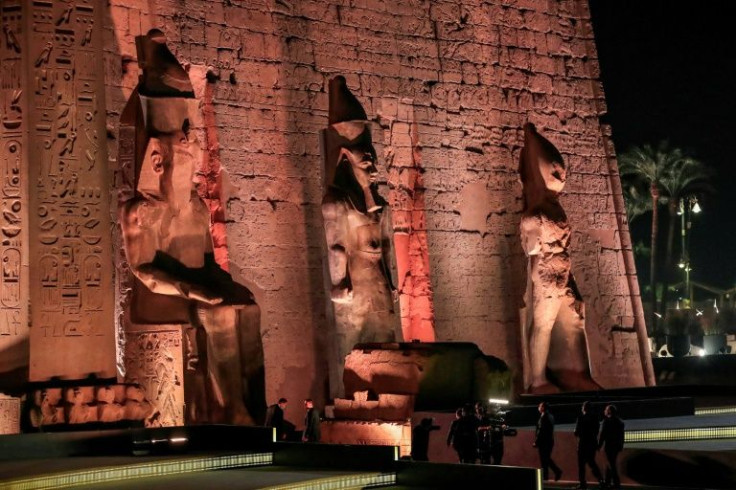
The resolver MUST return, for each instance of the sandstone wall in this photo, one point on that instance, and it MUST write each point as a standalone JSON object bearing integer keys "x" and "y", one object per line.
{"x": 450, "y": 85}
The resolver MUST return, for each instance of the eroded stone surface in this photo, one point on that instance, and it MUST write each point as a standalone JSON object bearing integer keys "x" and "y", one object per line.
{"x": 391, "y": 381}
{"x": 14, "y": 287}
{"x": 71, "y": 308}
{"x": 85, "y": 404}
{"x": 9, "y": 414}
{"x": 474, "y": 74}
{"x": 371, "y": 433}
{"x": 155, "y": 360}
{"x": 406, "y": 196}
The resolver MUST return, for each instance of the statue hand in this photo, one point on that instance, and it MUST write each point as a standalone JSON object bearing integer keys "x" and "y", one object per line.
{"x": 341, "y": 295}
{"x": 192, "y": 363}
{"x": 201, "y": 294}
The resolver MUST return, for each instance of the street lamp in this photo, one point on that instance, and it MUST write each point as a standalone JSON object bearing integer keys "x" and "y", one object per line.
{"x": 688, "y": 206}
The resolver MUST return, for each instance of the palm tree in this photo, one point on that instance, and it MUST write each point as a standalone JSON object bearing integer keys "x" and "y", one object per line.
{"x": 646, "y": 165}
{"x": 684, "y": 179}
{"x": 637, "y": 201}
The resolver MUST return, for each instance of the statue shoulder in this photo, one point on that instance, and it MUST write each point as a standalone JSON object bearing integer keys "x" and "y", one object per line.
{"x": 530, "y": 222}
{"x": 141, "y": 212}
{"x": 334, "y": 202}
{"x": 199, "y": 207}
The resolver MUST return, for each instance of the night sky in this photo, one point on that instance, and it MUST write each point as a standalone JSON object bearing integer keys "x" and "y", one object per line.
{"x": 666, "y": 69}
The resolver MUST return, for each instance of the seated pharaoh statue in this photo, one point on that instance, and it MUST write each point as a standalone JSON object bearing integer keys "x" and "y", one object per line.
{"x": 169, "y": 248}
{"x": 358, "y": 231}
{"x": 555, "y": 350}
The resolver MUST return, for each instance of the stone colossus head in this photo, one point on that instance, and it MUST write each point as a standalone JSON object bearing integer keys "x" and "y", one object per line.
{"x": 541, "y": 168}
{"x": 352, "y": 157}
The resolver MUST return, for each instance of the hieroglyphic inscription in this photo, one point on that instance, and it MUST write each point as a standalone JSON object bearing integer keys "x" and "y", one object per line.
{"x": 71, "y": 285}
{"x": 9, "y": 415}
{"x": 154, "y": 360}
{"x": 13, "y": 199}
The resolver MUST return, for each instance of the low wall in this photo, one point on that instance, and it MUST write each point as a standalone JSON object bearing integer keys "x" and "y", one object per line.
{"x": 368, "y": 433}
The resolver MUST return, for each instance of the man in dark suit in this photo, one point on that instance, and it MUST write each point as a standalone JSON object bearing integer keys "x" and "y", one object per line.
{"x": 275, "y": 418}
{"x": 420, "y": 439}
{"x": 612, "y": 437}
{"x": 586, "y": 430}
{"x": 545, "y": 441}
{"x": 463, "y": 435}
{"x": 311, "y": 422}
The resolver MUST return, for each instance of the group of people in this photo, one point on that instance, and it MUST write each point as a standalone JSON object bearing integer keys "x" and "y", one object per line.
{"x": 592, "y": 436}
{"x": 285, "y": 430}
{"x": 477, "y": 434}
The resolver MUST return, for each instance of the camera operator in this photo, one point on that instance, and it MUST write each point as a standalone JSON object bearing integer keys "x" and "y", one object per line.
{"x": 491, "y": 432}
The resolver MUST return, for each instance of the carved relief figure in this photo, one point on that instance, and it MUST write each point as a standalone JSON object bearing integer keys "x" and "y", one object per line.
{"x": 553, "y": 319}
{"x": 79, "y": 409}
{"x": 107, "y": 409}
{"x": 358, "y": 230}
{"x": 168, "y": 245}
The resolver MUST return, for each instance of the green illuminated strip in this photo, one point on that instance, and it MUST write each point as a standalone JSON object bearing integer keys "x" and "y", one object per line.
{"x": 143, "y": 470}
{"x": 363, "y": 480}
{"x": 714, "y": 411}
{"x": 685, "y": 434}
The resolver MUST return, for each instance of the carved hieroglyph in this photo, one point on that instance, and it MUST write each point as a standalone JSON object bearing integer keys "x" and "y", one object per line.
{"x": 9, "y": 415}
{"x": 13, "y": 195}
{"x": 76, "y": 405}
{"x": 51, "y": 90}
{"x": 166, "y": 230}
{"x": 553, "y": 317}
{"x": 155, "y": 360}
{"x": 358, "y": 231}
{"x": 409, "y": 216}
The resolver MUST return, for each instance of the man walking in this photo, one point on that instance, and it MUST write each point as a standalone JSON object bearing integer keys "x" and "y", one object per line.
{"x": 463, "y": 435}
{"x": 586, "y": 430}
{"x": 311, "y": 422}
{"x": 545, "y": 441}
{"x": 612, "y": 437}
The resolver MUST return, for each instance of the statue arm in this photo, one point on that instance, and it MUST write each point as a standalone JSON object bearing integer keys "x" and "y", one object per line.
{"x": 336, "y": 236}
{"x": 531, "y": 240}
{"x": 388, "y": 254}
{"x": 141, "y": 244}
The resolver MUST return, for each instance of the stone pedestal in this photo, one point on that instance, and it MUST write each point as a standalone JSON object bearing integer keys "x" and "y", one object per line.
{"x": 386, "y": 383}
{"x": 154, "y": 359}
{"x": 374, "y": 433}
{"x": 390, "y": 381}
